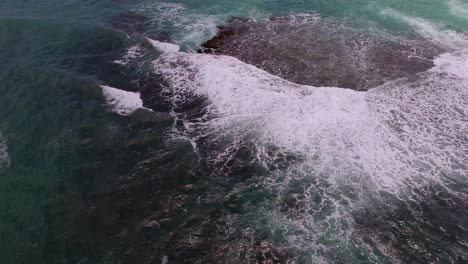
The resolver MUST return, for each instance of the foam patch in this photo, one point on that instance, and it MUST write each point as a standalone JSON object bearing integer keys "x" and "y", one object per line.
{"x": 352, "y": 147}
{"x": 4, "y": 156}
{"x": 163, "y": 46}
{"x": 122, "y": 102}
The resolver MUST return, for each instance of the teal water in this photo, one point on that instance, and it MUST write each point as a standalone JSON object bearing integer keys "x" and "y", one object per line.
{"x": 65, "y": 145}
{"x": 44, "y": 103}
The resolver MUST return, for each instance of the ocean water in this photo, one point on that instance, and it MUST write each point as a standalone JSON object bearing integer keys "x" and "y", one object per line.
{"x": 319, "y": 131}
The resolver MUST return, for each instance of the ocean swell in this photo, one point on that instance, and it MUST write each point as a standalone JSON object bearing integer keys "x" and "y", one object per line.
{"x": 286, "y": 163}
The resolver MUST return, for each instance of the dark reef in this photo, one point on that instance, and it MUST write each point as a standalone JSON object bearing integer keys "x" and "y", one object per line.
{"x": 321, "y": 54}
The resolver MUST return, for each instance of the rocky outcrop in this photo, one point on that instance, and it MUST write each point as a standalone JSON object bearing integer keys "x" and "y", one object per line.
{"x": 315, "y": 52}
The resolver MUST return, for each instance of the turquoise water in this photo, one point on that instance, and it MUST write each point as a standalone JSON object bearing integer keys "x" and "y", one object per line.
{"x": 66, "y": 147}
{"x": 44, "y": 103}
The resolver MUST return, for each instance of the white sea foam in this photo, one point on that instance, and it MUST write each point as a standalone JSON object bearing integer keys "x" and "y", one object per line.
{"x": 163, "y": 46}
{"x": 448, "y": 39}
{"x": 4, "y": 155}
{"x": 405, "y": 135}
{"x": 407, "y": 138}
{"x": 133, "y": 53}
{"x": 122, "y": 102}
{"x": 452, "y": 63}
{"x": 194, "y": 28}
{"x": 339, "y": 129}
{"x": 458, "y": 8}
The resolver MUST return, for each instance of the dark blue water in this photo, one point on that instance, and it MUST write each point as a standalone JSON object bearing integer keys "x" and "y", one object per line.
{"x": 47, "y": 98}
{"x": 225, "y": 170}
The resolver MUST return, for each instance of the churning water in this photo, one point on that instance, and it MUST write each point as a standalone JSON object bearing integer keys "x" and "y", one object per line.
{"x": 305, "y": 132}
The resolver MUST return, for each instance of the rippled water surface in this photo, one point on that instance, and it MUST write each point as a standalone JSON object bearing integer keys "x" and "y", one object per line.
{"x": 146, "y": 131}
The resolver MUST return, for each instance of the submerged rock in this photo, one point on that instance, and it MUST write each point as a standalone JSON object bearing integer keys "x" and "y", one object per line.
{"x": 314, "y": 52}
{"x": 145, "y": 116}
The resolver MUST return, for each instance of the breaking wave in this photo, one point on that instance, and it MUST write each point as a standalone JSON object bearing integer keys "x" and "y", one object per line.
{"x": 122, "y": 102}
{"x": 350, "y": 160}
{"x": 446, "y": 38}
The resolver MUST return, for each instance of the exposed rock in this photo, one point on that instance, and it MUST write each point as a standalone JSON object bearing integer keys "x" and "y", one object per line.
{"x": 318, "y": 53}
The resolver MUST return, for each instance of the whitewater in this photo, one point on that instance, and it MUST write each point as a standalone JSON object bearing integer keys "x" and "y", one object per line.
{"x": 211, "y": 131}
{"x": 402, "y": 144}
